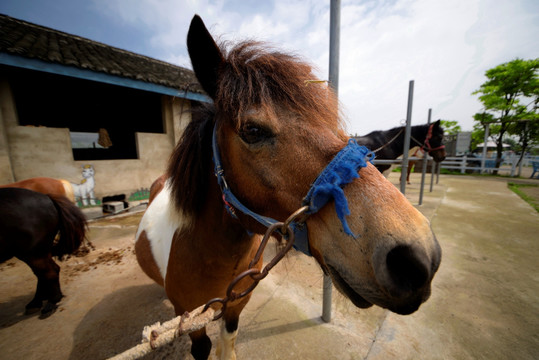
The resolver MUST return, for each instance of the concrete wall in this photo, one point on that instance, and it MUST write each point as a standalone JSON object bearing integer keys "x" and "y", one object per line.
{"x": 6, "y": 112}
{"x": 27, "y": 152}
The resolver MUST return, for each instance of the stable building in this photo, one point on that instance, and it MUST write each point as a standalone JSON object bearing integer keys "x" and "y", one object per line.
{"x": 68, "y": 102}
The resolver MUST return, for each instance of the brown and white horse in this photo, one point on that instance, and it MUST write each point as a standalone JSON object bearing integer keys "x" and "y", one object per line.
{"x": 275, "y": 135}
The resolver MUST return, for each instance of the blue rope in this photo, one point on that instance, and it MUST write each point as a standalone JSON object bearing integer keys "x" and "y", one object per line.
{"x": 342, "y": 170}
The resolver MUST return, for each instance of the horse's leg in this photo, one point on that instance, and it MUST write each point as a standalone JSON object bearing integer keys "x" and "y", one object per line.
{"x": 229, "y": 331}
{"x": 227, "y": 341}
{"x": 409, "y": 169}
{"x": 37, "y": 302}
{"x": 200, "y": 344}
{"x": 48, "y": 285}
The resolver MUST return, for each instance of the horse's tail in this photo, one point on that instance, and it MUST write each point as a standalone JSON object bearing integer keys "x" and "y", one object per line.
{"x": 68, "y": 188}
{"x": 72, "y": 226}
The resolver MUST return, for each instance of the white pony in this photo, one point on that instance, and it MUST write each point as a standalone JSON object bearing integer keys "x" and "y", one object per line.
{"x": 85, "y": 190}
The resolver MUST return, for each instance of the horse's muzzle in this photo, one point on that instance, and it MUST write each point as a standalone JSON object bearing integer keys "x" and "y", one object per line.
{"x": 405, "y": 274}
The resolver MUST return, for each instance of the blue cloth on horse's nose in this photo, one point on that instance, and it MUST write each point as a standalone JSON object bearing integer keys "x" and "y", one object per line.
{"x": 342, "y": 170}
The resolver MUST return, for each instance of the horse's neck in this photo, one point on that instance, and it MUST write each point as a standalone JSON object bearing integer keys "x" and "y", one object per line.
{"x": 397, "y": 145}
{"x": 419, "y": 133}
{"x": 217, "y": 232}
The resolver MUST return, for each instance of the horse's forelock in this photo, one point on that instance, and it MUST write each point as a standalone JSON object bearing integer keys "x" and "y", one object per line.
{"x": 257, "y": 76}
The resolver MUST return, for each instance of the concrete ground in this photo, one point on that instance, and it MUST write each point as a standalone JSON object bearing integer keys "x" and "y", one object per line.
{"x": 484, "y": 303}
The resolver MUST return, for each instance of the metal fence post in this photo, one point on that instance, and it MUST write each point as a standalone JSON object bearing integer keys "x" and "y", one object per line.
{"x": 513, "y": 166}
{"x": 406, "y": 150}
{"x": 424, "y": 168}
{"x": 334, "y": 42}
{"x": 432, "y": 169}
{"x": 484, "y": 154}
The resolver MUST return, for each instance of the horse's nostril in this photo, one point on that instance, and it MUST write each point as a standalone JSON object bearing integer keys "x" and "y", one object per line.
{"x": 407, "y": 268}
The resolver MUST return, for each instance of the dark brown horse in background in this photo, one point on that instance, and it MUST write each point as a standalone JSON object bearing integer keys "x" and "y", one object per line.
{"x": 275, "y": 135}
{"x": 389, "y": 144}
{"x": 29, "y": 223}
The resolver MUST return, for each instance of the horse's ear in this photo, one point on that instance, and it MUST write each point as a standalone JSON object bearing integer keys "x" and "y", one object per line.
{"x": 205, "y": 55}
{"x": 436, "y": 124}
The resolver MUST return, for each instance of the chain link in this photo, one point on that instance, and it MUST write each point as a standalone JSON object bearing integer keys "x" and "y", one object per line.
{"x": 285, "y": 228}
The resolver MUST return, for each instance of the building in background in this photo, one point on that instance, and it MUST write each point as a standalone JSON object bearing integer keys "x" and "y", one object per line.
{"x": 67, "y": 101}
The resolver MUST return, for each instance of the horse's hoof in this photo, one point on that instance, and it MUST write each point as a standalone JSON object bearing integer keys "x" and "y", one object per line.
{"x": 32, "y": 307}
{"x": 31, "y": 310}
{"x": 48, "y": 310}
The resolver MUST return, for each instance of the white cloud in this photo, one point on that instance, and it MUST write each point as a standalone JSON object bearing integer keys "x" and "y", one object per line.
{"x": 445, "y": 46}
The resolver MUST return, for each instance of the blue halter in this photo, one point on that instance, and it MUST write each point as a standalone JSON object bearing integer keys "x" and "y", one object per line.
{"x": 339, "y": 172}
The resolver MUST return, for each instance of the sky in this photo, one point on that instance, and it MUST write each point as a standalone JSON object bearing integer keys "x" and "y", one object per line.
{"x": 444, "y": 46}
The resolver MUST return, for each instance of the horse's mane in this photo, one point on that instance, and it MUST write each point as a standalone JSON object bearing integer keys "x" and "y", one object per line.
{"x": 378, "y": 138}
{"x": 257, "y": 76}
{"x": 251, "y": 76}
{"x": 190, "y": 162}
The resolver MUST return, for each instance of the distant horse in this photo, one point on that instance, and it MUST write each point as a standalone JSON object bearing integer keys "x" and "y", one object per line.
{"x": 45, "y": 185}
{"x": 389, "y": 144}
{"x": 272, "y": 134}
{"x": 29, "y": 222}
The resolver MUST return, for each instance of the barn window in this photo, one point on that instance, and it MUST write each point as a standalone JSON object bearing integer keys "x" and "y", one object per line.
{"x": 108, "y": 114}
{"x": 85, "y": 140}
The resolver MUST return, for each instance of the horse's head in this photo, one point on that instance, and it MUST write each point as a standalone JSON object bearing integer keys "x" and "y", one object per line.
{"x": 276, "y": 132}
{"x": 434, "y": 141}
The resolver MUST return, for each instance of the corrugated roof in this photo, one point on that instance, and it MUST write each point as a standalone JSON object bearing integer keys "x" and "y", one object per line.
{"x": 32, "y": 41}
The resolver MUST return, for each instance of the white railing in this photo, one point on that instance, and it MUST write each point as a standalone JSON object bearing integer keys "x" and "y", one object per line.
{"x": 486, "y": 165}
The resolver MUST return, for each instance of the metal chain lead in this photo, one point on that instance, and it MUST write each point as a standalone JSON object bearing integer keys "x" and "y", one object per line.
{"x": 256, "y": 275}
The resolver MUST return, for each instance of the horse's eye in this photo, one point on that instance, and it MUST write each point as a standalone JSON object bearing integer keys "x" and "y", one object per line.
{"x": 252, "y": 134}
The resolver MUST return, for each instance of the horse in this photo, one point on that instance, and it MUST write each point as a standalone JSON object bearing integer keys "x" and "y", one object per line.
{"x": 270, "y": 137}
{"x": 389, "y": 144}
{"x": 29, "y": 223}
{"x": 45, "y": 185}
{"x": 59, "y": 187}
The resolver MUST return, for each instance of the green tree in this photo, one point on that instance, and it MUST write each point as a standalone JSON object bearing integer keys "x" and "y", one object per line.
{"x": 482, "y": 120}
{"x": 509, "y": 95}
{"x": 451, "y": 127}
{"x": 527, "y": 131}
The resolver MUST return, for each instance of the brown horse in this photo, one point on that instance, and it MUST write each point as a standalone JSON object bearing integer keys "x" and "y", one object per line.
{"x": 29, "y": 222}
{"x": 45, "y": 185}
{"x": 271, "y": 135}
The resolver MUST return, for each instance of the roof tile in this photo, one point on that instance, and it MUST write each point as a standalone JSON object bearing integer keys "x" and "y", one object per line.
{"x": 21, "y": 38}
